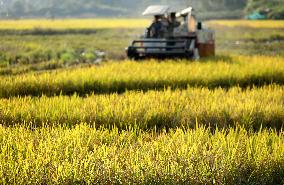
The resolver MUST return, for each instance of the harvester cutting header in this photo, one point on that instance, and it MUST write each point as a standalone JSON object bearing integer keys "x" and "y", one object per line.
{"x": 173, "y": 34}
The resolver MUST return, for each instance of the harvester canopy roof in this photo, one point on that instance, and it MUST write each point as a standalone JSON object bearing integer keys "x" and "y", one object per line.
{"x": 156, "y": 10}
{"x": 186, "y": 11}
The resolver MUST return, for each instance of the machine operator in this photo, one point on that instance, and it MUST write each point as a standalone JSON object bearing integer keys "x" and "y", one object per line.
{"x": 156, "y": 29}
{"x": 163, "y": 27}
{"x": 172, "y": 24}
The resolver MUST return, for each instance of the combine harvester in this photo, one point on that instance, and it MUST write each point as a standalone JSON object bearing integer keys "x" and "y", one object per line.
{"x": 177, "y": 35}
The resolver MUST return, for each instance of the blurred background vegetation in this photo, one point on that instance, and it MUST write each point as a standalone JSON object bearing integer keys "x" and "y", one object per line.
{"x": 208, "y": 9}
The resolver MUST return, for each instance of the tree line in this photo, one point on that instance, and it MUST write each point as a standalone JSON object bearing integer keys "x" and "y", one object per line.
{"x": 125, "y": 8}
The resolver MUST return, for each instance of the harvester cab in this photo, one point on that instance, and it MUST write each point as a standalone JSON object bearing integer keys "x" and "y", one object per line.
{"x": 173, "y": 34}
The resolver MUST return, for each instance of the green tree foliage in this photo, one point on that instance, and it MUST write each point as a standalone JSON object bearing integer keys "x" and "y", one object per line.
{"x": 273, "y": 8}
{"x": 111, "y": 8}
{"x": 220, "y": 4}
{"x": 64, "y": 8}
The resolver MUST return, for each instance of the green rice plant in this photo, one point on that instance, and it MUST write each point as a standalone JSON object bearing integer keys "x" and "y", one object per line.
{"x": 68, "y": 56}
{"x": 36, "y": 46}
{"x": 121, "y": 76}
{"x": 89, "y": 56}
{"x": 41, "y": 48}
{"x": 254, "y": 108}
{"x": 84, "y": 155}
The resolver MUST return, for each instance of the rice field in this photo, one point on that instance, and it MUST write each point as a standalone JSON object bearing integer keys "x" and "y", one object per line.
{"x": 69, "y": 24}
{"x": 262, "y": 24}
{"x": 65, "y": 119}
{"x": 118, "y": 77}
{"x": 251, "y": 109}
{"x": 84, "y": 155}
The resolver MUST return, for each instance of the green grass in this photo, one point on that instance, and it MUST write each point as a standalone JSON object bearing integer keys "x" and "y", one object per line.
{"x": 31, "y": 49}
{"x": 88, "y": 156}
{"x": 241, "y": 40}
{"x": 121, "y": 76}
{"x": 252, "y": 108}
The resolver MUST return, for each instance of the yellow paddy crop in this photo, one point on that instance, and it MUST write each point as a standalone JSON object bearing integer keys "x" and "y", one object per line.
{"x": 61, "y": 24}
{"x": 84, "y": 155}
{"x": 252, "y": 108}
{"x": 121, "y": 76}
{"x": 247, "y": 23}
{"x": 69, "y": 24}
{"x": 126, "y": 122}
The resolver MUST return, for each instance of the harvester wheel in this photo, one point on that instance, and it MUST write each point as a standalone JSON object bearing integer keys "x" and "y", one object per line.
{"x": 132, "y": 54}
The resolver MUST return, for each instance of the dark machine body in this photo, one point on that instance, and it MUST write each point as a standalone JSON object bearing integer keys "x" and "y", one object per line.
{"x": 189, "y": 39}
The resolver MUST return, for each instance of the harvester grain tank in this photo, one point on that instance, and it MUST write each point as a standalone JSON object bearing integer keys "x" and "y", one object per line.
{"x": 187, "y": 39}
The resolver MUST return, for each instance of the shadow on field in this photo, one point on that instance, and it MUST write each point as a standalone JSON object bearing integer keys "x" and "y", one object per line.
{"x": 102, "y": 87}
{"x": 254, "y": 122}
{"x": 218, "y": 59}
{"x": 269, "y": 39}
{"x": 158, "y": 122}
